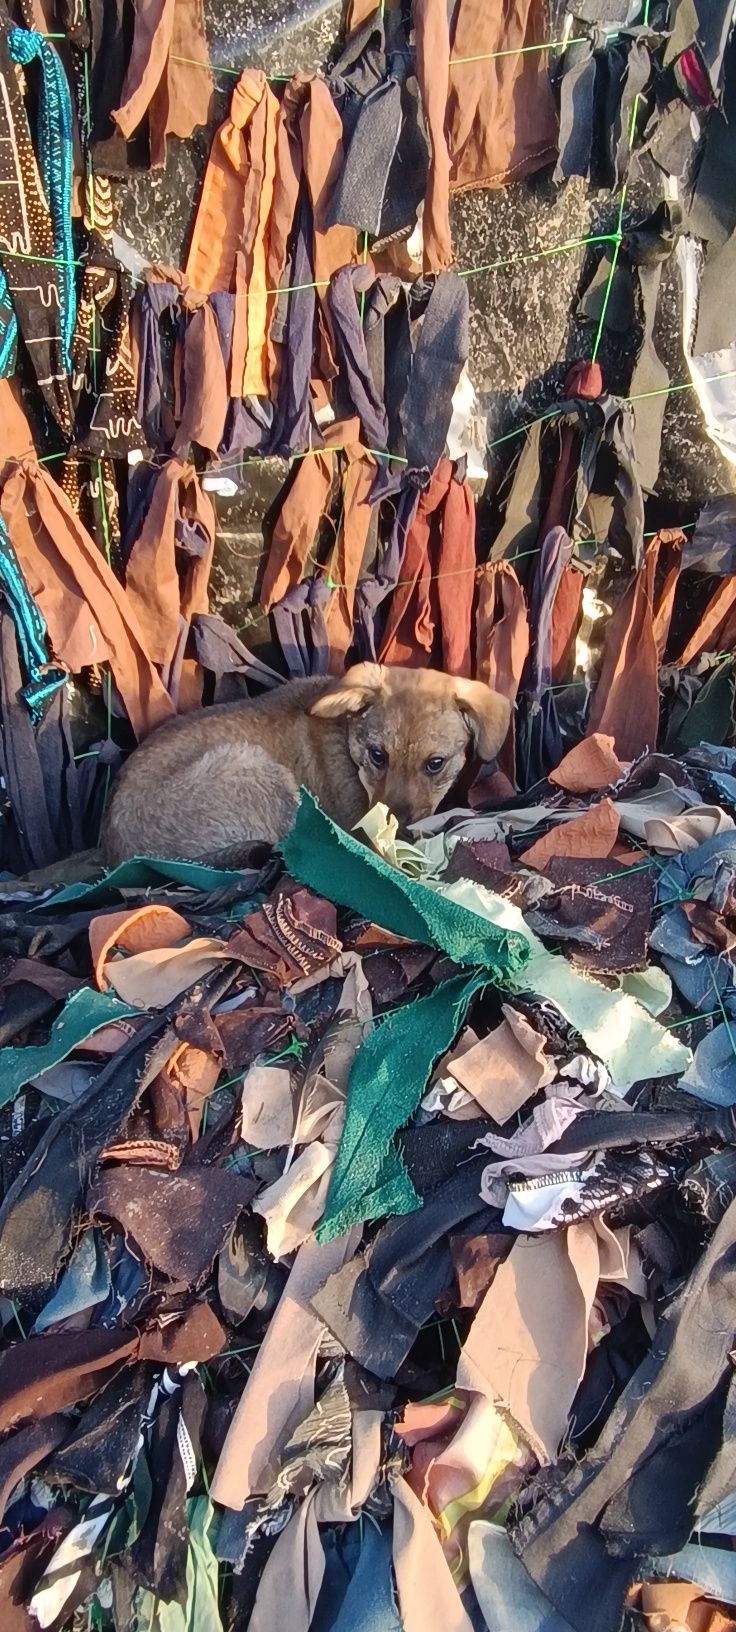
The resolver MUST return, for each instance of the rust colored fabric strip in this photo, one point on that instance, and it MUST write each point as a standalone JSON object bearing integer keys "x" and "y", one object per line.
{"x": 409, "y": 633}
{"x": 355, "y": 13}
{"x": 707, "y": 637}
{"x": 322, "y": 154}
{"x": 205, "y": 395}
{"x": 87, "y": 613}
{"x": 626, "y": 701}
{"x": 157, "y": 595}
{"x": 565, "y": 622}
{"x": 285, "y": 198}
{"x": 357, "y": 513}
{"x": 432, "y": 42}
{"x": 502, "y": 629}
{"x": 456, "y": 579}
{"x": 154, "y": 27}
{"x": 502, "y": 644}
{"x": 176, "y": 95}
{"x": 437, "y": 579}
{"x": 670, "y": 540}
{"x": 298, "y": 523}
{"x": 17, "y": 436}
{"x": 501, "y": 122}
{"x": 183, "y": 97}
{"x": 296, "y": 527}
{"x": 320, "y": 129}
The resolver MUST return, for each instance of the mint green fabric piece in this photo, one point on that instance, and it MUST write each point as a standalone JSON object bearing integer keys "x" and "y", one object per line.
{"x": 201, "y": 1612}
{"x": 140, "y": 872}
{"x": 614, "y": 1026}
{"x": 338, "y": 867}
{"x": 85, "y": 1012}
{"x": 389, "y": 1075}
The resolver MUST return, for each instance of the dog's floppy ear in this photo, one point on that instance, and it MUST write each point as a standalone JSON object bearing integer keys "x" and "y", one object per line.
{"x": 359, "y": 687}
{"x": 488, "y": 714}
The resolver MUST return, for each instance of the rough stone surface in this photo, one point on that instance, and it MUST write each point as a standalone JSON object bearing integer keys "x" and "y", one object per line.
{"x": 522, "y": 330}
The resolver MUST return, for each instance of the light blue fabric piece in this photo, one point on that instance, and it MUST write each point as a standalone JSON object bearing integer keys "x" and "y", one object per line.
{"x": 701, "y": 975}
{"x": 712, "y": 1568}
{"x": 508, "y": 1597}
{"x": 85, "y": 1283}
{"x": 712, "y": 1075}
{"x": 726, "y": 786}
{"x": 128, "y": 1276}
{"x": 369, "y": 1604}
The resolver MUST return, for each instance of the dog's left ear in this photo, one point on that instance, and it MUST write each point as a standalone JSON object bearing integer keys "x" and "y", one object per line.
{"x": 488, "y": 715}
{"x": 350, "y": 695}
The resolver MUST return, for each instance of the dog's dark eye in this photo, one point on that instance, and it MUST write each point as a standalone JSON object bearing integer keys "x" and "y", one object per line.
{"x": 434, "y": 764}
{"x": 377, "y": 756}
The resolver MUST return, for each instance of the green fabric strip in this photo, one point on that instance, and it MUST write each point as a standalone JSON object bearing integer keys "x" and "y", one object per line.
{"x": 138, "y": 873}
{"x": 337, "y": 866}
{"x": 387, "y": 1081}
{"x": 85, "y": 1012}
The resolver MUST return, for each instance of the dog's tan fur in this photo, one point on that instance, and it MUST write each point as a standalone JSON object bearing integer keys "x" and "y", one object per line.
{"x": 206, "y": 785}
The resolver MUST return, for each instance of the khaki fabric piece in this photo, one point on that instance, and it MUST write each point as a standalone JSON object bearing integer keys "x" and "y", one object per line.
{"x": 279, "y": 1393}
{"x": 504, "y": 1069}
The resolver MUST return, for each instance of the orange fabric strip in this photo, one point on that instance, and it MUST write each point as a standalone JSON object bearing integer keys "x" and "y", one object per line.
{"x": 87, "y": 612}
{"x": 158, "y": 596}
{"x": 183, "y": 98}
{"x": 219, "y": 224}
{"x": 357, "y": 514}
{"x": 154, "y": 27}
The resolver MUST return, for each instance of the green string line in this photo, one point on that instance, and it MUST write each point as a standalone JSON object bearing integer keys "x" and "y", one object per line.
{"x": 526, "y": 50}
{"x": 398, "y": 459}
{"x": 689, "y": 1019}
{"x": 635, "y": 396}
{"x": 323, "y": 283}
{"x": 611, "y": 274}
{"x": 455, "y": 62}
{"x": 540, "y": 254}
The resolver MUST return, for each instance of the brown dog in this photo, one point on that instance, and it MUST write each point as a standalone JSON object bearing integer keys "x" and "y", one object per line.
{"x": 205, "y": 785}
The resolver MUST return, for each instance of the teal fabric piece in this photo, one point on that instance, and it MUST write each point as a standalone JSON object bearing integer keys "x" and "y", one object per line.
{"x": 85, "y": 1012}
{"x": 393, "y": 1065}
{"x": 141, "y": 872}
{"x": 712, "y": 717}
{"x": 337, "y": 866}
{"x": 388, "y": 1078}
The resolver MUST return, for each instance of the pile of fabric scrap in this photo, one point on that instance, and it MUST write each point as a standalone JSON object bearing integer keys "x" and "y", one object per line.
{"x": 368, "y": 1223}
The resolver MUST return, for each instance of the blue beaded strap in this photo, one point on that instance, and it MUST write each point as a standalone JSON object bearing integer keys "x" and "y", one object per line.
{"x": 31, "y": 630}
{"x": 56, "y": 155}
{"x": 8, "y": 330}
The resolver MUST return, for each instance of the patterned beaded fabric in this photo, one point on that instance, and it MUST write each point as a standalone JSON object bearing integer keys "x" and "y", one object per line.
{"x": 35, "y": 214}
